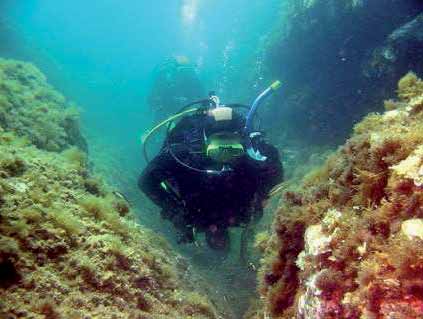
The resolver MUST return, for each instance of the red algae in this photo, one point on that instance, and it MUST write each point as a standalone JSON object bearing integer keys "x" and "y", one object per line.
{"x": 349, "y": 243}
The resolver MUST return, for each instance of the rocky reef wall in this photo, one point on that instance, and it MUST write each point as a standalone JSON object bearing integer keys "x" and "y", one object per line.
{"x": 347, "y": 242}
{"x": 69, "y": 245}
{"x": 337, "y": 59}
{"x": 30, "y": 108}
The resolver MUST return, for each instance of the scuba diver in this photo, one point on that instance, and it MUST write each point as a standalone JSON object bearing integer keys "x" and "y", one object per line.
{"x": 175, "y": 83}
{"x": 214, "y": 171}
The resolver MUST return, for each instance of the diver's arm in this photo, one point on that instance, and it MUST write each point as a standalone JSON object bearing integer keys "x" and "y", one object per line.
{"x": 152, "y": 181}
{"x": 271, "y": 171}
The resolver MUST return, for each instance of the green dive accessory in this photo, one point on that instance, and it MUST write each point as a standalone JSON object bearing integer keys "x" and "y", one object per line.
{"x": 224, "y": 147}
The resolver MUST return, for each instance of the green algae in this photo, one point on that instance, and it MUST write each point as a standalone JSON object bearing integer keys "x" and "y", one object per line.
{"x": 69, "y": 246}
{"x": 31, "y": 108}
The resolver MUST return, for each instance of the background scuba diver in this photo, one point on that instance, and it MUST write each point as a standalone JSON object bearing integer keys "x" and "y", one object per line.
{"x": 212, "y": 171}
{"x": 175, "y": 84}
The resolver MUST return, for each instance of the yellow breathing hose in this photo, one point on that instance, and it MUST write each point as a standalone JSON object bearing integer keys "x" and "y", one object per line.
{"x": 154, "y": 129}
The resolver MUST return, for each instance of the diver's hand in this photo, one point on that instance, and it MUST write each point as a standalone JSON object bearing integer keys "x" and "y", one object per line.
{"x": 174, "y": 207}
{"x": 170, "y": 211}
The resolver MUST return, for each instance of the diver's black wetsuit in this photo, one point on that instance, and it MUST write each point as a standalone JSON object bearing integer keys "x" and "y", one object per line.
{"x": 208, "y": 202}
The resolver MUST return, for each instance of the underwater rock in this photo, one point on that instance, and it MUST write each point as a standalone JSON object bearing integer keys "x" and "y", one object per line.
{"x": 351, "y": 243}
{"x": 68, "y": 250}
{"x": 413, "y": 228}
{"x": 400, "y": 51}
{"x": 317, "y": 49}
{"x": 412, "y": 167}
{"x": 316, "y": 242}
{"x": 31, "y": 108}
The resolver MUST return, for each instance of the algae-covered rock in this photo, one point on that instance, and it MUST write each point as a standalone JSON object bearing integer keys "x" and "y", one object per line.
{"x": 412, "y": 167}
{"x": 347, "y": 241}
{"x": 68, "y": 250}
{"x": 316, "y": 242}
{"x": 30, "y": 107}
